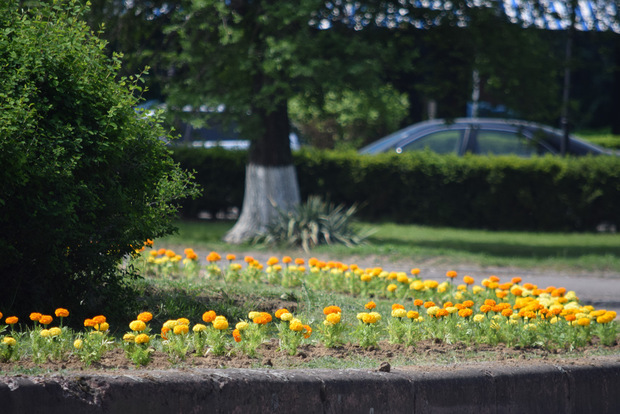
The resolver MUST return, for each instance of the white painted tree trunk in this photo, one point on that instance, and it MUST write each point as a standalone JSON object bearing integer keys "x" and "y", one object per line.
{"x": 265, "y": 188}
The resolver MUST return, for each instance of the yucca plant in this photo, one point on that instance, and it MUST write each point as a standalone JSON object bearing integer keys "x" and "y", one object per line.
{"x": 313, "y": 223}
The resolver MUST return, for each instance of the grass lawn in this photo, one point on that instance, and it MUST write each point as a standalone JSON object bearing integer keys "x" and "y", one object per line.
{"x": 559, "y": 251}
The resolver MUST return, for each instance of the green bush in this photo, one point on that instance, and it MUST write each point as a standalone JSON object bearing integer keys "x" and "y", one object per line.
{"x": 547, "y": 193}
{"x": 84, "y": 177}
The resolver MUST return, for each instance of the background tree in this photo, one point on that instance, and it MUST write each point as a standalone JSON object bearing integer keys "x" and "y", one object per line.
{"x": 85, "y": 180}
{"x": 252, "y": 58}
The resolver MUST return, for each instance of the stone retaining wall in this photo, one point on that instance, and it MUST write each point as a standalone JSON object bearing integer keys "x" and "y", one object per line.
{"x": 468, "y": 389}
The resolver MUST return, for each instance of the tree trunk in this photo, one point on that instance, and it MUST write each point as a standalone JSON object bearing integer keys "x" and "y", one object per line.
{"x": 270, "y": 177}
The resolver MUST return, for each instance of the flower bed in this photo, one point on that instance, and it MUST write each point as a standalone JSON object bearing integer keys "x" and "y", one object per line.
{"x": 456, "y": 312}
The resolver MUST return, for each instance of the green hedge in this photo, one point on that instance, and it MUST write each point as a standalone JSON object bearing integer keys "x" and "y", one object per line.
{"x": 548, "y": 193}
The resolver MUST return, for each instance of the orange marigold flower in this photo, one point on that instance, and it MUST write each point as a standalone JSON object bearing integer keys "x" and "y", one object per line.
{"x": 99, "y": 319}
{"x": 299, "y": 261}
{"x": 263, "y": 318}
{"x": 34, "y": 316}
{"x": 529, "y": 286}
{"x": 0, "y": 315}
{"x": 313, "y": 261}
{"x": 89, "y": 323}
{"x": 61, "y": 313}
{"x": 418, "y": 302}
{"x": 307, "y": 331}
{"x": 161, "y": 252}
{"x": 397, "y": 306}
{"x": 287, "y": 259}
{"x": 413, "y": 315}
{"x": 415, "y": 271}
{"x": 209, "y": 316}
{"x": 501, "y": 294}
{"x": 145, "y": 317}
{"x": 516, "y": 280}
{"x": 272, "y": 260}
{"x": 12, "y": 320}
{"x": 494, "y": 278}
{"x": 468, "y": 280}
{"x": 279, "y": 312}
{"x": 451, "y": 274}
{"x": 468, "y": 303}
{"x": 236, "y": 335}
{"x": 485, "y": 308}
{"x": 148, "y": 242}
{"x": 490, "y": 302}
{"x": 164, "y": 332}
{"x": 45, "y": 319}
{"x": 465, "y": 313}
{"x": 370, "y": 305}
{"x": 331, "y": 309}
{"x": 231, "y": 257}
{"x": 248, "y": 259}
{"x": 170, "y": 253}
{"x": 571, "y": 317}
{"x": 213, "y": 257}
{"x": 429, "y": 304}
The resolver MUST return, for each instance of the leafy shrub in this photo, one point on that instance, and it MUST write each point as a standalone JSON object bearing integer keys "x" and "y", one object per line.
{"x": 85, "y": 179}
{"x": 313, "y": 223}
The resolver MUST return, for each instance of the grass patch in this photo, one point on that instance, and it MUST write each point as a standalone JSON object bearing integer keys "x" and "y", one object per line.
{"x": 558, "y": 251}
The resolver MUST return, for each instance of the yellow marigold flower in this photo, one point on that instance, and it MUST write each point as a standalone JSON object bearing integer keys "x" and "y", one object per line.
{"x": 220, "y": 324}
{"x": 369, "y": 318}
{"x": 44, "y": 333}
{"x": 137, "y": 326}
{"x": 286, "y": 316}
{"x": 180, "y": 329}
{"x": 442, "y": 287}
{"x": 478, "y": 317}
{"x": 171, "y": 323}
{"x": 209, "y": 316}
{"x": 45, "y": 319}
{"x": 333, "y": 318}
{"x": 235, "y": 266}
{"x": 413, "y": 315}
{"x": 142, "y": 339}
{"x": 55, "y": 331}
{"x": 242, "y": 325}
{"x": 452, "y": 309}
{"x": 103, "y": 326}
{"x": 399, "y": 313}
{"x": 451, "y": 274}
{"x": 295, "y": 325}
{"x": 9, "y": 340}
{"x": 583, "y": 321}
{"x": 391, "y": 287}
{"x": 35, "y": 316}
{"x": 432, "y": 310}
{"x": 199, "y": 328}
{"x": 401, "y": 277}
{"x": 129, "y": 337}
{"x": 370, "y": 305}
{"x": 183, "y": 321}
{"x": 145, "y": 317}
{"x": 365, "y": 277}
{"x": 416, "y": 285}
{"x": 61, "y": 313}
{"x": 253, "y": 314}
{"x": 477, "y": 289}
{"x": 431, "y": 284}
{"x": 11, "y": 320}
{"x": 77, "y": 344}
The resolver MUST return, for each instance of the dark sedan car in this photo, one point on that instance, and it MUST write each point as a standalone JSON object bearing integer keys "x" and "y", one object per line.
{"x": 481, "y": 136}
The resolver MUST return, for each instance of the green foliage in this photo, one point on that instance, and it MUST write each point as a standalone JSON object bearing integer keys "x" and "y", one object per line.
{"x": 313, "y": 223}
{"x": 541, "y": 193}
{"x": 84, "y": 176}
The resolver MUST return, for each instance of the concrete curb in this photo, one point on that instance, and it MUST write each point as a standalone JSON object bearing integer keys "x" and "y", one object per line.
{"x": 467, "y": 389}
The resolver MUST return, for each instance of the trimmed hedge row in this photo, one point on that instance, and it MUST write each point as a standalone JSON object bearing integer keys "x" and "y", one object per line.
{"x": 547, "y": 193}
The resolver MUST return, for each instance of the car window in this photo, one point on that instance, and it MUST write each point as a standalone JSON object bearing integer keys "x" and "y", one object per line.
{"x": 501, "y": 142}
{"x": 441, "y": 142}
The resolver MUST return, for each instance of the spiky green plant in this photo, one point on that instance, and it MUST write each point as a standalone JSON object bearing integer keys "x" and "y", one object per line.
{"x": 313, "y": 223}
